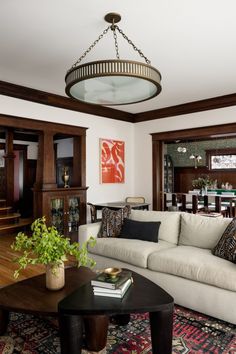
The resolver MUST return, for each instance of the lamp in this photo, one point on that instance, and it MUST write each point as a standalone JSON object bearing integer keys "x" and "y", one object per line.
{"x": 181, "y": 149}
{"x": 116, "y": 81}
{"x": 196, "y": 158}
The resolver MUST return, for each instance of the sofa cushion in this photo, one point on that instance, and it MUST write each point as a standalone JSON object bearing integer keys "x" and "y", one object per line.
{"x": 135, "y": 252}
{"x": 226, "y": 247}
{"x": 140, "y": 230}
{"x": 201, "y": 231}
{"x": 112, "y": 221}
{"x": 170, "y": 222}
{"x": 196, "y": 264}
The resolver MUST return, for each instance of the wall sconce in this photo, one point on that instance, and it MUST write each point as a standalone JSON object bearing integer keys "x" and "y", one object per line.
{"x": 196, "y": 158}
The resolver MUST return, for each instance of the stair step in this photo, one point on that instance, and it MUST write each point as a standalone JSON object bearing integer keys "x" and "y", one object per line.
{"x": 5, "y": 210}
{"x": 9, "y": 218}
{"x": 3, "y": 202}
{"x": 9, "y": 228}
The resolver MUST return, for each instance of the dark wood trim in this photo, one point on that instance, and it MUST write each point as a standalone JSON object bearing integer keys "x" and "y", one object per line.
{"x": 39, "y": 125}
{"x": 15, "y": 146}
{"x": 226, "y": 151}
{"x": 9, "y": 166}
{"x": 187, "y": 108}
{"x": 50, "y": 99}
{"x": 158, "y": 174}
{"x": 196, "y": 133}
{"x": 215, "y": 152}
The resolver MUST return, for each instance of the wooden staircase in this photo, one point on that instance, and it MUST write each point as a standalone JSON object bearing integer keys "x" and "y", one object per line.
{"x": 11, "y": 222}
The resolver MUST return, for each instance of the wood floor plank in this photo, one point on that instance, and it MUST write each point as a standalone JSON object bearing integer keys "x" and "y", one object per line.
{"x": 8, "y": 266}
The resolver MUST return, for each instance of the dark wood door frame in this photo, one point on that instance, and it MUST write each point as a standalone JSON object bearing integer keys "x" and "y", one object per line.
{"x": 47, "y": 133}
{"x": 10, "y": 187}
{"x": 158, "y": 140}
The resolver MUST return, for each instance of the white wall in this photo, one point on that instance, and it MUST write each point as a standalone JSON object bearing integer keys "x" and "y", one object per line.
{"x": 64, "y": 147}
{"x": 32, "y": 148}
{"x": 143, "y": 140}
{"x": 99, "y": 127}
{"x": 138, "y": 142}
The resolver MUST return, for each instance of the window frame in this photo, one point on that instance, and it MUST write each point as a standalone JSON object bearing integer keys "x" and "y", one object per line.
{"x": 219, "y": 152}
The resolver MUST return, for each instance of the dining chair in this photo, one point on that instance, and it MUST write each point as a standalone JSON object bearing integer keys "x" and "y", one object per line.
{"x": 172, "y": 201}
{"x": 167, "y": 200}
{"x": 93, "y": 213}
{"x": 135, "y": 200}
{"x": 213, "y": 203}
{"x": 190, "y": 203}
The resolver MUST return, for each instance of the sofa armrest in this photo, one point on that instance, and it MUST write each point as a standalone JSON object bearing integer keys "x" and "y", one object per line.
{"x": 88, "y": 230}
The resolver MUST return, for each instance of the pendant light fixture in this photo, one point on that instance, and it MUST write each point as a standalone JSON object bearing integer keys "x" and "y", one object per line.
{"x": 113, "y": 81}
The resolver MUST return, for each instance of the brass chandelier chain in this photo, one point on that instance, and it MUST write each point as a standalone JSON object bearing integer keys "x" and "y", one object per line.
{"x": 113, "y": 29}
{"x": 90, "y": 48}
{"x": 134, "y": 46}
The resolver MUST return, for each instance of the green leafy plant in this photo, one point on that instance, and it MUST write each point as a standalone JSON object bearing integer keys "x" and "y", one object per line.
{"x": 202, "y": 182}
{"x": 47, "y": 246}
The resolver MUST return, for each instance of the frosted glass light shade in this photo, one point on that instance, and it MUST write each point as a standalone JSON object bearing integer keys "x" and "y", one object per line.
{"x": 113, "y": 82}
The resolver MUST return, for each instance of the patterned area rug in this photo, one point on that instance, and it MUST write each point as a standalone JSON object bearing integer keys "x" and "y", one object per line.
{"x": 193, "y": 333}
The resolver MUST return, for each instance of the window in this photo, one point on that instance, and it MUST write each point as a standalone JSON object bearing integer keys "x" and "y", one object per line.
{"x": 224, "y": 159}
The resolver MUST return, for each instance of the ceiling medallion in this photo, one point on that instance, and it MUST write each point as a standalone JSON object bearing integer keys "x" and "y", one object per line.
{"x": 113, "y": 81}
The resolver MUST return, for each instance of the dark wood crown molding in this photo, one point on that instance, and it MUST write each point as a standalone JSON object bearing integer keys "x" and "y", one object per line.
{"x": 50, "y": 99}
{"x": 187, "y": 108}
{"x": 40, "y": 126}
{"x": 207, "y": 132}
{"x": 29, "y": 94}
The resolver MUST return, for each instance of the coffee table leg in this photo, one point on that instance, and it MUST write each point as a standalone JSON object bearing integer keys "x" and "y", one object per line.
{"x": 71, "y": 334}
{"x": 4, "y": 319}
{"x": 162, "y": 331}
{"x": 96, "y": 328}
{"x": 121, "y": 320}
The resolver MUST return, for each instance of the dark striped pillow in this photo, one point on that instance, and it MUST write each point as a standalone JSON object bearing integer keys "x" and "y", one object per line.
{"x": 226, "y": 247}
{"x": 112, "y": 221}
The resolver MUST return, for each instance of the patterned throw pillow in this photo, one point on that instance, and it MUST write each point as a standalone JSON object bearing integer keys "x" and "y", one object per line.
{"x": 226, "y": 247}
{"x": 112, "y": 221}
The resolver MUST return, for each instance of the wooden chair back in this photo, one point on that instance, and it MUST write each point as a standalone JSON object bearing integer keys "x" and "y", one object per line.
{"x": 138, "y": 200}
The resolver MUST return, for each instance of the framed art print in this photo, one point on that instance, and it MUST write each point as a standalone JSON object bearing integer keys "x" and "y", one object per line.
{"x": 112, "y": 161}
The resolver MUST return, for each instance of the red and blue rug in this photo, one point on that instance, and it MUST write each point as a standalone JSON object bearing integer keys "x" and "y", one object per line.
{"x": 193, "y": 333}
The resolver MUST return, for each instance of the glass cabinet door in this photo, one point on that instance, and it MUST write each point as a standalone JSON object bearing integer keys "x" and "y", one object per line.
{"x": 57, "y": 213}
{"x": 73, "y": 213}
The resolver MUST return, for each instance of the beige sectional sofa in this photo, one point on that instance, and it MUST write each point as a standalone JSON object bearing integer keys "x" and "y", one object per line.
{"x": 180, "y": 262}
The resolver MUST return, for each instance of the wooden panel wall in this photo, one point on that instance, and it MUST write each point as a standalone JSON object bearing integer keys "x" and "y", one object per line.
{"x": 183, "y": 177}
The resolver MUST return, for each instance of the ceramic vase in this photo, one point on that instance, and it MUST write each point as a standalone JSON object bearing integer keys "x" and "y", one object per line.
{"x": 55, "y": 276}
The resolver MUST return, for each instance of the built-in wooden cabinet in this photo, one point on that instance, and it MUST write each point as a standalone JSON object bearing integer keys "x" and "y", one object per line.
{"x": 168, "y": 174}
{"x": 65, "y": 208}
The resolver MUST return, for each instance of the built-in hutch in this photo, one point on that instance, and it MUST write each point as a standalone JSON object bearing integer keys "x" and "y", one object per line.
{"x": 63, "y": 205}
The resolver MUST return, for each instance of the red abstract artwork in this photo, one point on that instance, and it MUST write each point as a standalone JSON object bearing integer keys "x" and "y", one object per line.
{"x": 112, "y": 155}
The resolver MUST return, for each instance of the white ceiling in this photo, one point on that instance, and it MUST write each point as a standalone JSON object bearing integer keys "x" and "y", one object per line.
{"x": 192, "y": 43}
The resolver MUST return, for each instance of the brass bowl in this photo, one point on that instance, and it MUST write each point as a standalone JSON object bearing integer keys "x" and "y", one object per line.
{"x": 112, "y": 272}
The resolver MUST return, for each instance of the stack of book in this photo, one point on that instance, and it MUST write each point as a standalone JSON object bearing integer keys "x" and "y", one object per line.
{"x": 104, "y": 285}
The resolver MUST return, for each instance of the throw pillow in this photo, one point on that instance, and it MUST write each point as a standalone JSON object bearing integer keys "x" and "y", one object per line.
{"x": 226, "y": 247}
{"x": 112, "y": 221}
{"x": 140, "y": 230}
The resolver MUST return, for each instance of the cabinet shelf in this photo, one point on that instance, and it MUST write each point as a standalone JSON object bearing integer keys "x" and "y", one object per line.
{"x": 64, "y": 208}
{"x": 168, "y": 174}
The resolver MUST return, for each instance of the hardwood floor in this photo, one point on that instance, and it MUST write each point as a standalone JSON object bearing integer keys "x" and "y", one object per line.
{"x": 7, "y": 265}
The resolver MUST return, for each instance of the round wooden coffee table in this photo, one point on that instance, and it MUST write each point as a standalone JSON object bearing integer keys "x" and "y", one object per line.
{"x": 142, "y": 296}
{"x": 32, "y": 296}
